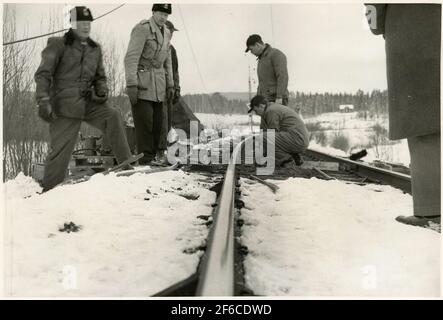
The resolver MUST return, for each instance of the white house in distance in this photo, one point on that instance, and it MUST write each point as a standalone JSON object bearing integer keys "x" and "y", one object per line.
{"x": 346, "y": 107}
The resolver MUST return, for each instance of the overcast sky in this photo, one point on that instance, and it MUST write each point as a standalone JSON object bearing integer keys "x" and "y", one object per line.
{"x": 328, "y": 46}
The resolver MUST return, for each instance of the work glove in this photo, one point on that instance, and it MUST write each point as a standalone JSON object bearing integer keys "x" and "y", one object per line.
{"x": 170, "y": 93}
{"x": 132, "y": 92}
{"x": 176, "y": 95}
{"x": 99, "y": 96}
{"x": 45, "y": 110}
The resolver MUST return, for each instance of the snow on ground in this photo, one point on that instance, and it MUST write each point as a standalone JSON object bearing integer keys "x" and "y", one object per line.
{"x": 133, "y": 242}
{"x": 359, "y": 133}
{"x": 225, "y": 121}
{"x": 394, "y": 153}
{"x": 328, "y": 238}
{"x": 329, "y": 150}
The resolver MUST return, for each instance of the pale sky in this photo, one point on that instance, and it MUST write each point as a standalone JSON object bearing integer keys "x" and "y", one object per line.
{"x": 328, "y": 46}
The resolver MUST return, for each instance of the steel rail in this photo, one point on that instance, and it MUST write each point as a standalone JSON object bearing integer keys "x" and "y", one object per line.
{"x": 217, "y": 272}
{"x": 382, "y": 176}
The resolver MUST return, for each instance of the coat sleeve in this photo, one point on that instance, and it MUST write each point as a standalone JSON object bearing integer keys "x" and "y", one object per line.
{"x": 175, "y": 68}
{"x": 99, "y": 83}
{"x": 43, "y": 77}
{"x": 281, "y": 72}
{"x": 133, "y": 54}
{"x": 375, "y": 14}
{"x": 272, "y": 121}
{"x": 169, "y": 72}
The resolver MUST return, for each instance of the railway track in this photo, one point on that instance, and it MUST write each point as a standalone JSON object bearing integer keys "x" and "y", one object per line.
{"x": 220, "y": 272}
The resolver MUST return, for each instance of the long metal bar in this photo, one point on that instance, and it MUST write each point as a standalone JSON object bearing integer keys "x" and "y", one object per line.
{"x": 383, "y": 176}
{"x": 217, "y": 275}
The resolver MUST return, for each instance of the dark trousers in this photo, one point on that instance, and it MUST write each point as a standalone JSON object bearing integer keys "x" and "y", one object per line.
{"x": 63, "y": 134}
{"x": 149, "y": 120}
{"x": 425, "y": 173}
{"x": 272, "y": 98}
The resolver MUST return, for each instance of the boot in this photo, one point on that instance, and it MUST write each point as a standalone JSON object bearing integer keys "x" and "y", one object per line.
{"x": 431, "y": 222}
{"x": 298, "y": 160}
{"x": 160, "y": 159}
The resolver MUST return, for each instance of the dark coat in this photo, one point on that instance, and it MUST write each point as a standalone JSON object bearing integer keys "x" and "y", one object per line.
{"x": 272, "y": 74}
{"x": 67, "y": 71}
{"x": 176, "y": 75}
{"x": 412, "y": 33}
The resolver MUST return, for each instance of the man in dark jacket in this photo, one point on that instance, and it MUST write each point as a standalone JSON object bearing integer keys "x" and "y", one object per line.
{"x": 291, "y": 134}
{"x": 412, "y": 33}
{"x": 179, "y": 115}
{"x": 71, "y": 88}
{"x": 272, "y": 70}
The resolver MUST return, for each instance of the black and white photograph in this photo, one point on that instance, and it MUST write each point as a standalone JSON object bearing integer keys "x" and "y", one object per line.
{"x": 281, "y": 150}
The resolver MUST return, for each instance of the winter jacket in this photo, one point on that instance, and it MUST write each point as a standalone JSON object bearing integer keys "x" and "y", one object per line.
{"x": 412, "y": 33}
{"x": 285, "y": 121}
{"x": 272, "y": 74}
{"x": 148, "y": 61}
{"x": 67, "y": 72}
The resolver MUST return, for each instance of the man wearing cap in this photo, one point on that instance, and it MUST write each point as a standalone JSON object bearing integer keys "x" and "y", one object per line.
{"x": 174, "y": 61}
{"x": 150, "y": 83}
{"x": 71, "y": 88}
{"x": 291, "y": 135}
{"x": 272, "y": 70}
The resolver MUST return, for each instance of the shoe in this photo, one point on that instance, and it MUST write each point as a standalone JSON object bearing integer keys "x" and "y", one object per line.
{"x": 288, "y": 164}
{"x": 144, "y": 161}
{"x": 128, "y": 167}
{"x": 297, "y": 159}
{"x": 160, "y": 160}
{"x": 432, "y": 222}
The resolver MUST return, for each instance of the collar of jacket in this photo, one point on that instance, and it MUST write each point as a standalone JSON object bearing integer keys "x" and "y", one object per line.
{"x": 265, "y": 51}
{"x": 156, "y": 30}
{"x": 266, "y": 108}
{"x": 70, "y": 39}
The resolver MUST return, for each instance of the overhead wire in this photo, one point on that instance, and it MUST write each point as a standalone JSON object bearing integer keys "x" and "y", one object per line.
{"x": 58, "y": 31}
{"x": 193, "y": 55}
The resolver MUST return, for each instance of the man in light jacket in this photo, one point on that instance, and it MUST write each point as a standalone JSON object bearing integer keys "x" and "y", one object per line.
{"x": 272, "y": 70}
{"x": 149, "y": 82}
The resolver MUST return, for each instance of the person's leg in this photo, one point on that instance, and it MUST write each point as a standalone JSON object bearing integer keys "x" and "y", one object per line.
{"x": 288, "y": 146}
{"x": 425, "y": 174}
{"x": 109, "y": 121}
{"x": 272, "y": 149}
{"x": 142, "y": 113}
{"x": 160, "y": 127}
{"x": 63, "y": 134}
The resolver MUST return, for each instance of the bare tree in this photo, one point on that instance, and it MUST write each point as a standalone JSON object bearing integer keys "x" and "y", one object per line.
{"x": 22, "y": 131}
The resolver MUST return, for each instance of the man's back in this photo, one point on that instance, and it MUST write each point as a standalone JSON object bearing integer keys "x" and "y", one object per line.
{"x": 281, "y": 118}
{"x": 272, "y": 74}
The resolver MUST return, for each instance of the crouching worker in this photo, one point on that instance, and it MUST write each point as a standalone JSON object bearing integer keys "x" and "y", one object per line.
{"x": 71, "y": 88}
{"x": 291, "y": 135}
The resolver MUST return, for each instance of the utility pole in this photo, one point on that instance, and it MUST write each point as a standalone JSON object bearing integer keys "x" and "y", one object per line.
{"x": 250, "y": 95}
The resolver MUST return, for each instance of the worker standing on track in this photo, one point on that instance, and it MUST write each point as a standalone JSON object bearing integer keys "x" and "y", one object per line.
{"x": 71, "y": 88}
{"x": 413, "y": 41}
{"x": 291, "y": 135}
{"x": 272, "y": 70}
{"x": 150, "y": 83}
{"x": 175, "y": 73}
